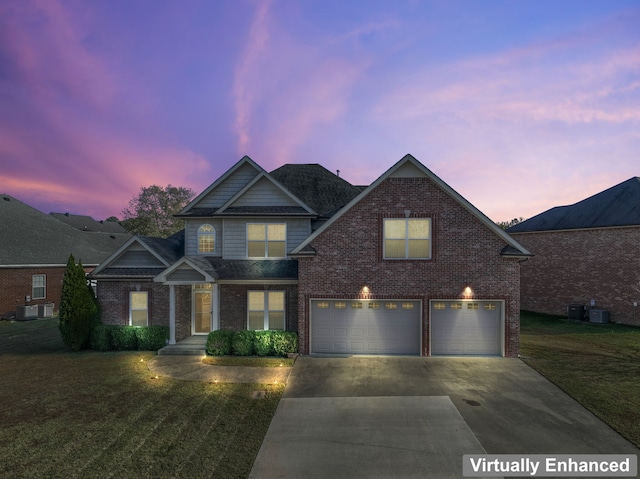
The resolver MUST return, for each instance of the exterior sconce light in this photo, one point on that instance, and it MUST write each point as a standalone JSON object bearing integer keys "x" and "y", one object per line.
{"x": 468, "y": 292}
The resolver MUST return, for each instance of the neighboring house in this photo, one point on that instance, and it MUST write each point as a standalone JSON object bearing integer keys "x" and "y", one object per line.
{"x": 404, "y": 266}
{"x": 34, "y": 249}
{"x": 586, "y": 253}
{"x": 87, "y": 223}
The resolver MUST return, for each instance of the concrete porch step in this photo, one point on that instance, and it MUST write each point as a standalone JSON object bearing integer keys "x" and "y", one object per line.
{"x": 191, "y": 346}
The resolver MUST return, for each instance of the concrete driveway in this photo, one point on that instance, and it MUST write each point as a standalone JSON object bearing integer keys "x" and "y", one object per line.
{"x": 416, "y": 417}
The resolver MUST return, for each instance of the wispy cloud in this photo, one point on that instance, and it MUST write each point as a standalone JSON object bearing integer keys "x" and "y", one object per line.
{"x": 248, "y": 72}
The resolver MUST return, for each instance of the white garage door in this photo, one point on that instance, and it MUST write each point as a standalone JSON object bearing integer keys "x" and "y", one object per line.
{"x": 365, "y": 327}
{"x": 466, "y": 327}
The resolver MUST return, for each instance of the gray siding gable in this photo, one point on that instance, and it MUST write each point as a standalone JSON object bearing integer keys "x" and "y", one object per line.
{"x": 264, "y": 192}
{"x": 225, "y": 188}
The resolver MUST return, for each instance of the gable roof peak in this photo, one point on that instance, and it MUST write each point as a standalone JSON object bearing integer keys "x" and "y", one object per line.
{"x": 517, "y": 250}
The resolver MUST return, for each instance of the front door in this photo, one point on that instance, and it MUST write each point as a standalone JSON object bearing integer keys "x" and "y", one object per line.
{"x": 202, "y": 308}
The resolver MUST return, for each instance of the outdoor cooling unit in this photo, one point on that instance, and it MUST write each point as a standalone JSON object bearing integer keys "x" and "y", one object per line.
{"x": 598, "y": 316}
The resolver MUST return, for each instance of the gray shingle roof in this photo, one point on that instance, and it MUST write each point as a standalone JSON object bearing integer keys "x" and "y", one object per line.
{"x": 87, "y": 223}
{"x": 616, "y": 206}
{"x": 30, "y": 237}
{"x": 170, "y": 249}
{"x": 316, "y": 186}
{"x": 263, "y": 210}
{"x": 224, "y": 269}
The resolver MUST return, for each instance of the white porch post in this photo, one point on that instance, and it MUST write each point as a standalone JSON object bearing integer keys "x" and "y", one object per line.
{"x": 215, "y": 307}
{"x": 172, "y": 314}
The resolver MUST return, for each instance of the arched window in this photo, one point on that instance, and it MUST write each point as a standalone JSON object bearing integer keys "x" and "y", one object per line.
{"x": 206, "y": 239}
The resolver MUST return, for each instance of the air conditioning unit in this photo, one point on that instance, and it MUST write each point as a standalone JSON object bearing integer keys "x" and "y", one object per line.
{"x": 598, "y": 316}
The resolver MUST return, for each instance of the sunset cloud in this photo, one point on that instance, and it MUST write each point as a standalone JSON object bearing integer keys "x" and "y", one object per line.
{"x": 519, "y": 109}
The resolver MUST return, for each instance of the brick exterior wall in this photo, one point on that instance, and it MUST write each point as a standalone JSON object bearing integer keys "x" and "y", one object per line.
{"x": 233, "y": 304}
{"x": 114, "y": 301}
{"x": 16, "y": 283}
{"x": 574, "y": 267}
{"x": 464, "y": 253}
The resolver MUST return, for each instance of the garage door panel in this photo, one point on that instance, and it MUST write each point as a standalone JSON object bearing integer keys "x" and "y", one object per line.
{"x": 466, "y": 327}
{"x": 365, "y": 327}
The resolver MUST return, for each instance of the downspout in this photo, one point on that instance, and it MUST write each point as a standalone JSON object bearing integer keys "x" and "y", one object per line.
{"x": 172, "y": 314}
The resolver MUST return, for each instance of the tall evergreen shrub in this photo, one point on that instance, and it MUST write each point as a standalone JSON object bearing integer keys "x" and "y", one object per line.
{"x": 78, "y": 309}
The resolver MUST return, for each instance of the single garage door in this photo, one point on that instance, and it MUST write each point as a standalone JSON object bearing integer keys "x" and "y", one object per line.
{"x": 365, "y": 327}
{"x": 466, "y": 327}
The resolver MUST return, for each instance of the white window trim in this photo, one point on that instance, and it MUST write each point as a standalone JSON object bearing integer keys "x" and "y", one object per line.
{"x": 406, "y": 239}
{"x": 43, "y": 286}
{"x": 266, "y": 310}
{"x": 206, "y": 233}
{"x": 131, "y": 307}
{"x": 266, "y": 241}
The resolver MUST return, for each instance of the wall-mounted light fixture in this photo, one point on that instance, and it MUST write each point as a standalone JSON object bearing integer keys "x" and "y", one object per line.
{"x": 365, "y": 292}
{"x": 467, "y": 293}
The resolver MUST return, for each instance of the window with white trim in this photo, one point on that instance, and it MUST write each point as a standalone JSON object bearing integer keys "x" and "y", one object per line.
{"x": 266, "y": 310}
{"x": 206, "y": 239}
{"x": 139, "y": 308}
{"x": 266, "y": 240}
{"x": 39, "y": 286}
{"x": 407, "y": 238}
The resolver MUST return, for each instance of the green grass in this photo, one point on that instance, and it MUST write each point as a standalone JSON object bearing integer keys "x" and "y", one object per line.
{"x": 596, "y": 364}
{"x": 250, "y": 361}
{"x": 93, "y": 414}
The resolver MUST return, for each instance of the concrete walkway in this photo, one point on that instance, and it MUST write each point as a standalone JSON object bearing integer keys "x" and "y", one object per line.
{"x": 193, "y": 369}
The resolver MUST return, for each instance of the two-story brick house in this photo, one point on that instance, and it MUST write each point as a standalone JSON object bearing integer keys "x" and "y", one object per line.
{"x": 404, "y": 266}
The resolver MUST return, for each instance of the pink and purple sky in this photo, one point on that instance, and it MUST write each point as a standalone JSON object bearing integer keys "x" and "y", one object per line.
{"x": 518, "y": 105}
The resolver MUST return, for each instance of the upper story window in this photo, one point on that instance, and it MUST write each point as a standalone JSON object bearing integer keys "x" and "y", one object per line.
{"x": 266, "y": 240}
{"x": 206, "y": 239}
{"x": 39, "y": 286}
{"x": 407, "y": 238}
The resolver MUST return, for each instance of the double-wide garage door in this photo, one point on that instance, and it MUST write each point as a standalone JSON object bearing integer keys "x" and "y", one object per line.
{"x": 394, "y": 327}
{"x": 365, "y": 327}
{"x": 466, "y": 327}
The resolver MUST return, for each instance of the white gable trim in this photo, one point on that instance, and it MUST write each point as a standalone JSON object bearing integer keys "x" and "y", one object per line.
{"x": 429, "y": 174}
{"x": 162, "y": 277}
{"x": 120, "y": 251}
{"x": 244, "y": 160}
{"x": 252, "y": 183}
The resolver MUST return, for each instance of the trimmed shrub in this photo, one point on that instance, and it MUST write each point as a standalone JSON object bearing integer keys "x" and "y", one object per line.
{"x": 242, "y": 343}
{"x": 152, "y": 338}
{"x": 100, "y": 339}
{"x": 284, "y": 342}
{"x": 219, "y": 342}
{"x": 124, "y": 338}
{"x": 262, "y": 343}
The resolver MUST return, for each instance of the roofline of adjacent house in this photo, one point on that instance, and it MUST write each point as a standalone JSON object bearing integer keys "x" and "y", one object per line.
{"x": 576, "y": 229}
{"x": 42, "y": 265}
{"x": 459, "y": 198}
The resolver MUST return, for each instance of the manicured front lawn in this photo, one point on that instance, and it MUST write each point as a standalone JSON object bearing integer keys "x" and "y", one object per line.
{"x": 596, "y": 364}
{"x": 93, "y": 414}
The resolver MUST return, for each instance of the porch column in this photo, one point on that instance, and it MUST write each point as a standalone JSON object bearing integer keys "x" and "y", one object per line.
{"x": 172, "y": 314}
